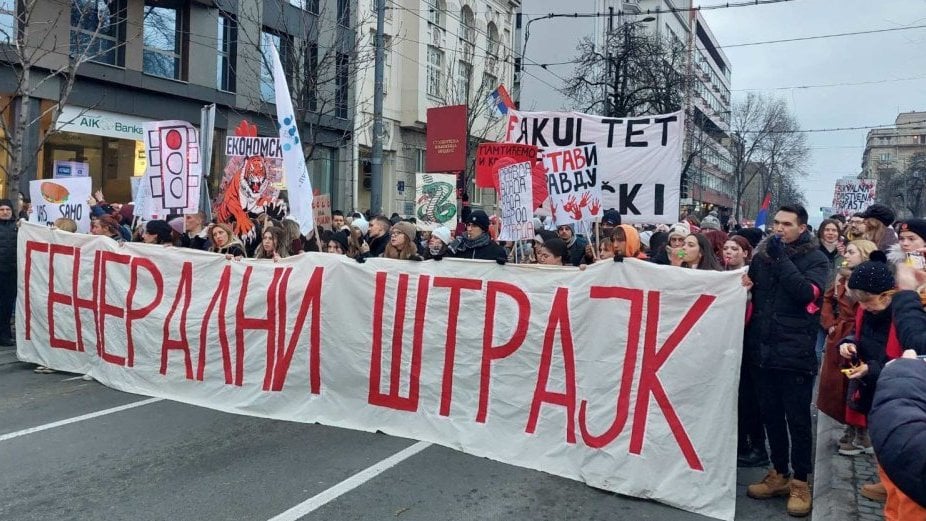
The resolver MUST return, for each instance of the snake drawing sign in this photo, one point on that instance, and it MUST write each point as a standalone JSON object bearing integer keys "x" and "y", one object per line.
{"x": 435, "y": 201}
{"x": 64, "y": 197}
{"x": 574, "y": 183}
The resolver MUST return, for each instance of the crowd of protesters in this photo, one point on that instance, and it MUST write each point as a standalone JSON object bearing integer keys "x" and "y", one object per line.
{"x": 830, "y": 309}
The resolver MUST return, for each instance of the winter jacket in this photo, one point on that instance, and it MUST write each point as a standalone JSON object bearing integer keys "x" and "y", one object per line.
{"x": 876, "y": 343}
{"x": 786, "y": 297}
{"x": 199, "y": 241}
{"x": 491, "y": 251}
{"x": 839, "y": 313}
{"x": 377, "y": 246}
{"x": 575, "y": 255}
{"x": 897, "y": 425}
{"x": 8, "y": 246}
{"x": 910, "y": 321}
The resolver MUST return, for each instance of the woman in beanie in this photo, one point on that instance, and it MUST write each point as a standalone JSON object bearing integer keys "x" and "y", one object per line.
{"x": 837, "y": 318}
{"x": 878, "y": 220}
{"x": 225, "y": 242}
{"x": 437, "y": 243}
{"x": 402, "y": 243}
{"x": 911, "y": 244}
{"x": 338, "y": 243}
{"x": 872, "y": 346}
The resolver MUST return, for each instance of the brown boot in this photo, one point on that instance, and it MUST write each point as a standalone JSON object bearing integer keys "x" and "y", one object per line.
{"x": 800, "y": 501}
{"x": 874, "y": 492}
{"x": 772, "y": 485}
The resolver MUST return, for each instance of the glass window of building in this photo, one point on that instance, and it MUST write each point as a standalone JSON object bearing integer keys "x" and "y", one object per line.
{"x": 435, "y": 70}
{"x": 464, "y": 78}
{"x": 324, "y": 167}
{"x": 311, "y": 75}
{"x": 492, "y": 36}
{"x": 268, "y": 40}
{"x": 344, "y": 12}
{"x": 437, "y": 12}
{"x": 8, "y": 25}
{"x": 227, "y": 43}
{"x": 342, "y": 79}
{"x": 98, "y": 30}
{"x": 163, "y": 37}
{"x": 467, "y": 24}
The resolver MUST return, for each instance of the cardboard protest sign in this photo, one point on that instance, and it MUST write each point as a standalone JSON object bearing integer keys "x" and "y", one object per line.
{"x": 583, "y": 374}
{"x": 174, "y": 167}
{"x": 575, "y": 184}
{"x": 489, "y": 154}
{"x": 250, "y": 184}
{"x": 853, "y": 195}
{"x": 516, "y": 202}
{"x": 435, "y": 201}
{"x": 321, "y": 208}
{"x": 65, "y": 197}
{"x": 639, "y": 158}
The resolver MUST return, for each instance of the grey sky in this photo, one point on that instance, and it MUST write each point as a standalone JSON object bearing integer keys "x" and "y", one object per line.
{"x": 837, "y": 60}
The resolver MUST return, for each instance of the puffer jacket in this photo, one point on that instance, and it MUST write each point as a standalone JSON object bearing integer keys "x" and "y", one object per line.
{"x": 786, "y": 297}
{"x": 897, "y": 424}
{"x": 8, "y": 245}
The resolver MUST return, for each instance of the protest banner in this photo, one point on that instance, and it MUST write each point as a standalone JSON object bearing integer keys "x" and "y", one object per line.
{"x": 639, "y": 158}
{"x": 174, "y": 169}
{"x": 435, "y": 201}
{"x": 489, "y": 154}
{"x": 853, "y": 195}
{"x": 247, "y": 146}
{"x": 516, "y": 202}
{"x": 65, "y": 197}
{"x": 588, "y": 375}
{"x": 321, "y": 208}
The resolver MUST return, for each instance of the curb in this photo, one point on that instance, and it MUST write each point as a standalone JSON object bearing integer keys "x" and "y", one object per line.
{"x": 833, "y": 481}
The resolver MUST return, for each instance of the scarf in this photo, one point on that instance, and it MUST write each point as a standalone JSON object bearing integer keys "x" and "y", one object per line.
{"x": 472, "y": 244}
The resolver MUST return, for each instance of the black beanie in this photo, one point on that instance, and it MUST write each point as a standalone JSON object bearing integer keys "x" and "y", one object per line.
{"x": 480, "y": 219}
{"x": 917, "y": 226}
{"x": 879, "y": 212}
{"x": 340, "y": 238}
{"x": 6, "y": 202}
{"x": 873, "y": 276}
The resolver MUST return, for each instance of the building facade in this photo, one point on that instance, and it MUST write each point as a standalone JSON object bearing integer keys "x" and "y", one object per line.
{"x": 148, "y": 60}
{"x": 438, "y": 53}
{"x": 896, "y": 157}
{"x": 708, "y": 168}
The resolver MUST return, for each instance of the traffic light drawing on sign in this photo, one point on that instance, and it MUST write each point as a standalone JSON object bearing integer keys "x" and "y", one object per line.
{"x": 174, "y": 167}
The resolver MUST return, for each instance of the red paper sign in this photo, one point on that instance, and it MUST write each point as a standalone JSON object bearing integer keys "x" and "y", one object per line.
{"x": 488, "y": 155}
{"x": 446, "y": 139}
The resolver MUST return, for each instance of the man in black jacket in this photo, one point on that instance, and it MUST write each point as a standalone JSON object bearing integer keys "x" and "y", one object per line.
{"x": 575, "y": 243}
{"x": 476, "y": 243}
{"x": 7, "y": 271}
{"x": 787, "y": 276}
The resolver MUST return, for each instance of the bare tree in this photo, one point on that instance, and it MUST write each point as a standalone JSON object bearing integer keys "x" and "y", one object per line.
{"x": 46, "y": 68}
{"x": 632, "y": 73}
{"x": 765, "y": 146}
{"x": 904, "y": 191}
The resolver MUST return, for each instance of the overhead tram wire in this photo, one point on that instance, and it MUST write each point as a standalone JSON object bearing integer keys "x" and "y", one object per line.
{"x": 825, "y": 85}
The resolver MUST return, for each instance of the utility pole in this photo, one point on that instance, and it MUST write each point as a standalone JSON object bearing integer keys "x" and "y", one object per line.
{"x": 376, "y": 193}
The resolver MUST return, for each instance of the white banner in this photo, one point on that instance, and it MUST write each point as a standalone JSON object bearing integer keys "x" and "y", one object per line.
{"x": 853, "y": 195}
{"x": 63, "y": 197}
{"x": 516, "y": 202}
{"x": 639, "y": 158}
{"x": 436, "y": 201}
{"x": 295, "y": 172}
{"x": 574, "y": 185}
{"x": 623, "y": 375}
{"x": 174, "y": 169}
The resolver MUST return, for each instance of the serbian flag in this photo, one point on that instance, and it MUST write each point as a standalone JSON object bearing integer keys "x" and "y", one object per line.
{"x": 500, "y": 101}
{"x": 763, "y": 212}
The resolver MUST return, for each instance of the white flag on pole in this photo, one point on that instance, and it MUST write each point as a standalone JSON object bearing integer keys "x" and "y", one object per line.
{"x": 295, "y": 173}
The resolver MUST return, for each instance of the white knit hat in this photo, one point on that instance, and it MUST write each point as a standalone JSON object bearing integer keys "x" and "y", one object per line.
{"x": 442, "y": 233}
{"x": 361, "y": 224}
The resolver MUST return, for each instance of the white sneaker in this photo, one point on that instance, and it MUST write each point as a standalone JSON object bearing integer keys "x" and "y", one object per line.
{"x": 87, "y": 378}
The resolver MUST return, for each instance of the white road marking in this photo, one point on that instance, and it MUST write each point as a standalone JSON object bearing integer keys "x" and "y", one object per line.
{"x": 358, "y": 479}
{"x": 72, "y": 378}
{"x": 89, "y": 416}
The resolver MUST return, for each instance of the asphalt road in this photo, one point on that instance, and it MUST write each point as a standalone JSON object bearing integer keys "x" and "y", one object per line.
{"x": 163, "y": 460}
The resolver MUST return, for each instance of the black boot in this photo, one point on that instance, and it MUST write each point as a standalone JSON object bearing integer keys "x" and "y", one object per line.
{"x": 754, "y": 458}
